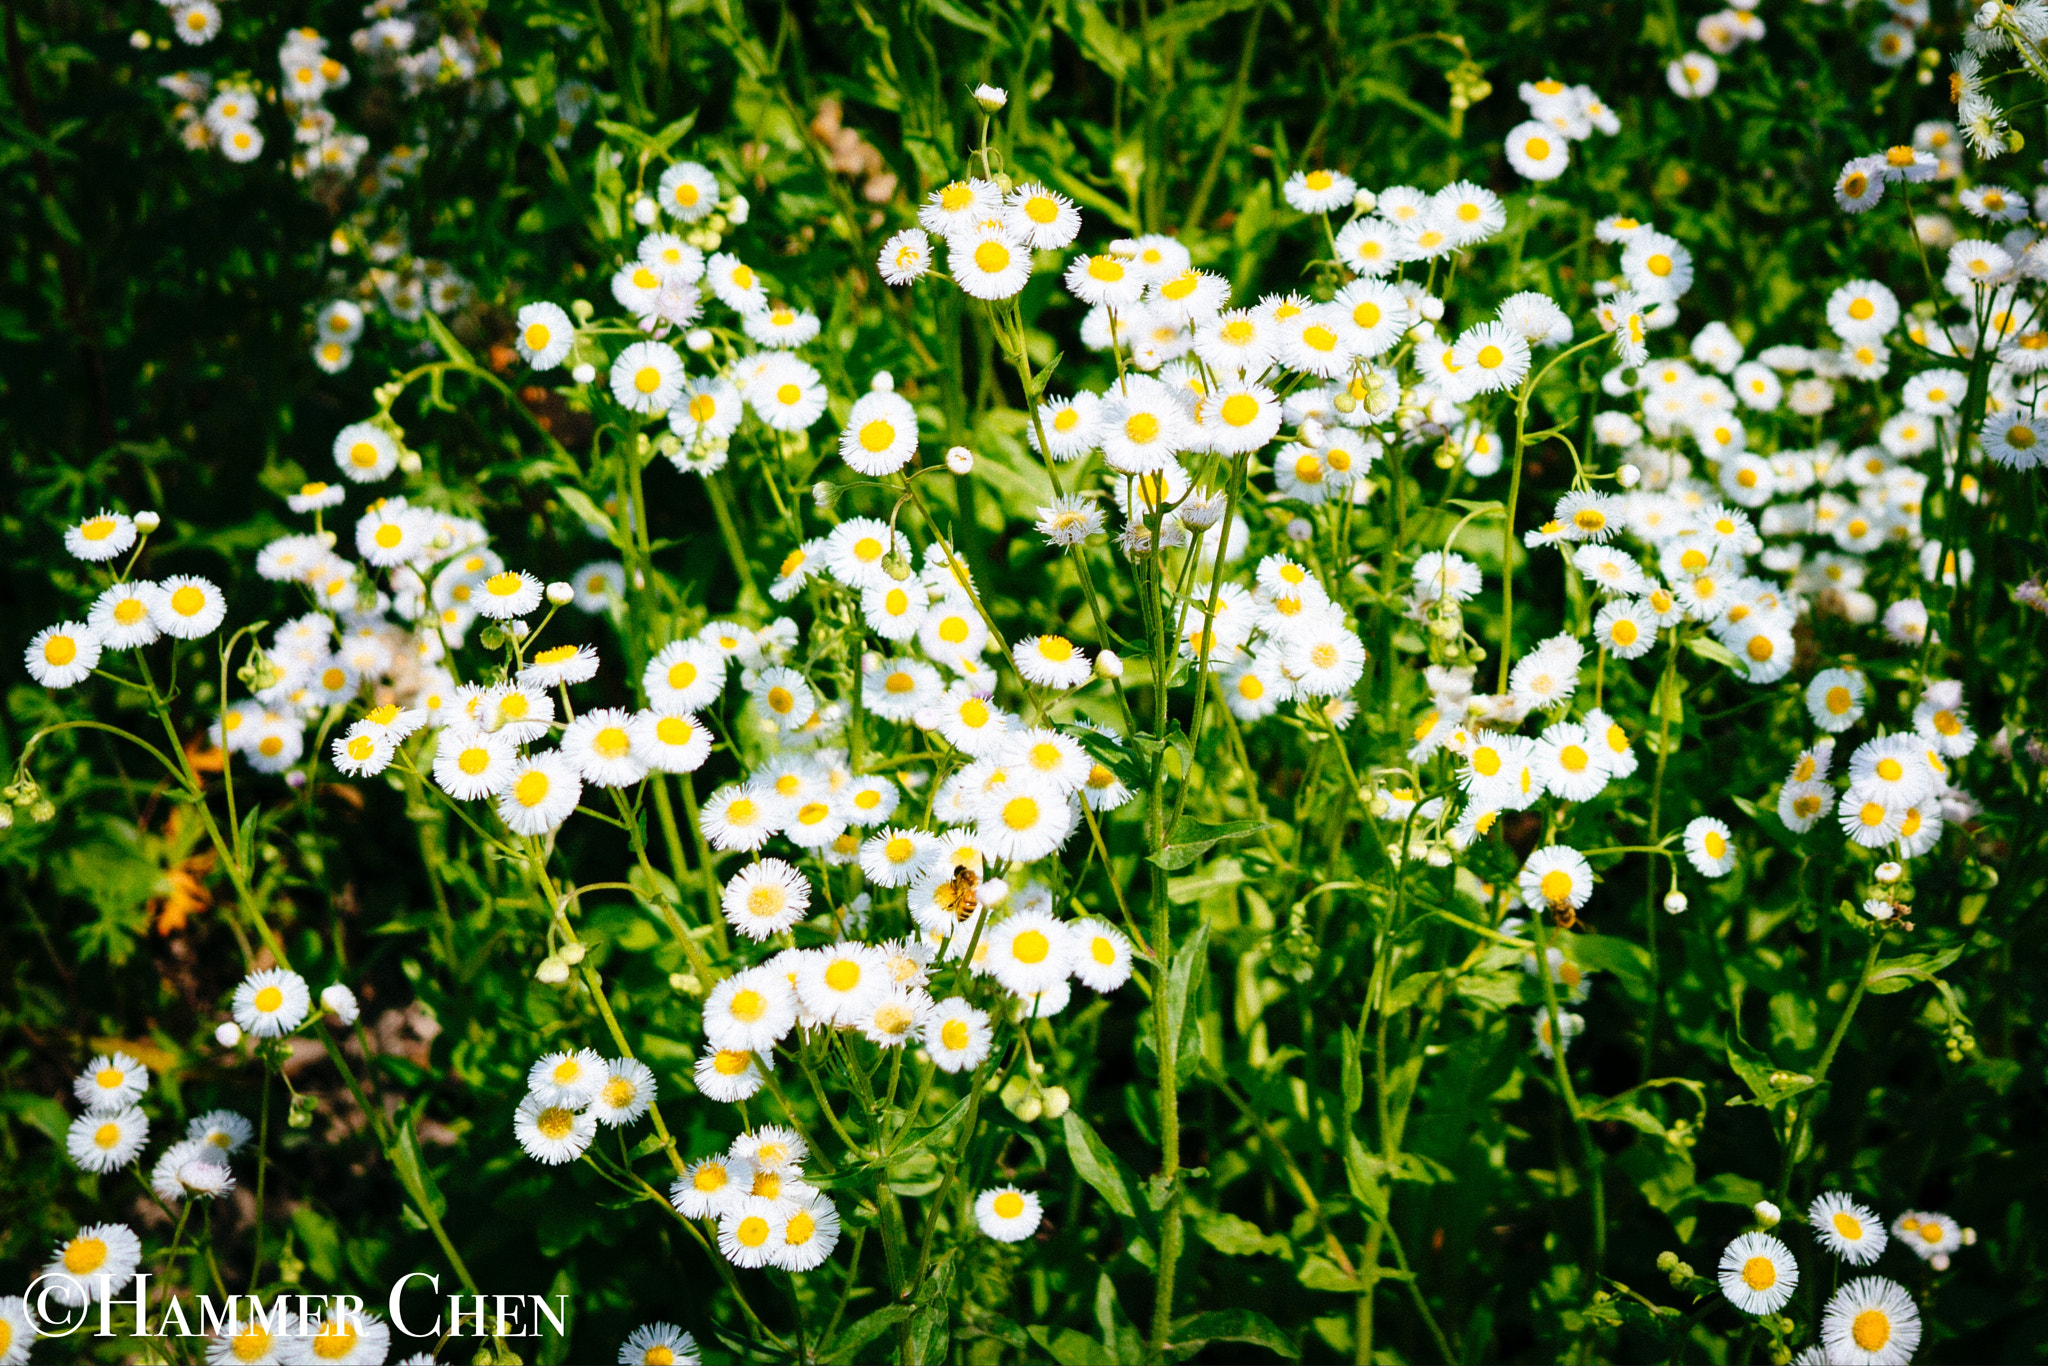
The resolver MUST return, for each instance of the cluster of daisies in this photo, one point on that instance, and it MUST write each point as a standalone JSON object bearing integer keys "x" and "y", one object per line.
{"x": 412, "y": 55}
{"x": 1867, "y": 1321}
{"x": 128, "y": 613}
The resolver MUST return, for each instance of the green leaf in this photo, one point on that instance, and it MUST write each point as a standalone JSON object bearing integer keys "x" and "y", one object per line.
{"x": 1096, "y": 1164}
{"x": 1767, "y": 1084}
{"x": 1183, "y": 977}
{"x": 1354, "y": 1073}
{"x": 1628, "y": 961}
{"x": 861, "y": 1332}
{"x": 585, "y": 508}
{"x": 412, "y": 1170}
{"x": 1362, "y": 1174}
{"x": 1235, "y": 1237}
{"x": 1409, "y": 990}
{"x": 450, "y": 347}
{"x": 561, "y": 1297}
{"x": 1889, "y": 975}
{"x": 1102, "y": 42}
{"x": 1234, "y": 1325}
{"x": 1069, "y": 1346}
{"x": 1191, "y": 839}
{"x": 931, "y": 1326}
{"x": 1706, "y": 647}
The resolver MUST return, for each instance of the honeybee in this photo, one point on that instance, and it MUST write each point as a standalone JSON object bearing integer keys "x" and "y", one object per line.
{"x": 957, "y": 896}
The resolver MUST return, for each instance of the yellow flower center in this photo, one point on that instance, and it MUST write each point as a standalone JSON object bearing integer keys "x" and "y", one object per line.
{"x": 843, "y": 975}
{"x": 531, "y": 789}
{"x": 84, "y": 1256}
{"x": 188, "y": 601}
{"x": 1871, "y": 1330}
{"x": 1021, "y": 813}
{"x": 60, "y": 650}
{"x": 1759, "y": 1273}
{"x": 1557, "y": 886}
{"x": 992, "y": 257}
{"x": 1537, "y": 149}
{"x": 1009, "y": 1204}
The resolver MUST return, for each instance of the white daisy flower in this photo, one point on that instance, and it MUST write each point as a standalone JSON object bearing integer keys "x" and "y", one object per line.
{"x": 1556, "y": 876}
{"x": 1052, "y": 661}
{"x": 688, "y": 191}
{"x": 1871, "y": 1321}
{"x": 766, "y": 898}
{"x": 539, "y": 795}
{"x": 1709, "y": 847}
{"x": 989, "y": 263}
{"x": 750, "y": 1011}
{"x": 1101, "y": 955}
{"x": 1319, "y": 191}
{"x": 625, "y": 1094}
{"x": 111, "y": 1081}
{"x": 64, "y": 655}
{"x": 105, "y": 1141}
{"x": 553, "y": 1134}
{"x": 545, "y": 335}
{"x": 605, "y": 747}
{"x": 730, "y": 1075}
{"x": 365, "y": 452}
{"x": 187, "y": 608}
{"x": 102, "y": 536}
{"x": 507, "y": 594}
{"x": 1758, "y": 1274}
{"x": 1007, "y": 1214}
{"x": 671, "y": 741}
{"x": 1847, "y": 1228}
{"x": 469, "y": 763}
{"x": 559, "y": 665}
{"x": 271, "y": 1003}
{"x": 98, "y": 1260}
{"x": 659, "y": 1344}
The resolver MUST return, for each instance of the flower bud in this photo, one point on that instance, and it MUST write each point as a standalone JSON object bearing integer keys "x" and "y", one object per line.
{"x": 1300, "y": 531}
{"x": 1311, "y": 434}
{"x": 960, "y": 460}
{"x": 139, "y": 40}
{"x": 572, "y": 953}
{"x": 824, "y": 493}
{"x": 552, "y": 971}
{"x": 1674, "y": 902}
{"x": 882, "y": 383}
{"x": 228, "y": 1034}
{"x": 146, "y": 522}
{"x": 644, "y": 210}
{"x": 1056, "y": 1101}
{"x": 991, "y": 97}
{"x": 340, "y": 1002}
{"x": 1109, "y": 664}
{"x": 1630, "y": 476}
{"x": 519, "y": 630}
{"x": 584, "y": 373}
{"x": 925, "y": 718}
{"x": 561, "y": 594}
{"x": 1889, "y": 873}
{"x": 699, "y": 339}
{"x": 1767, "y": 1214}
{"x": 1365, "y": 201}
{"x": 1666, "y": 1260}
{"x": 1030, "y": 1108}
{"x": 684, "y": 982}
{"x": 739, "y": 211}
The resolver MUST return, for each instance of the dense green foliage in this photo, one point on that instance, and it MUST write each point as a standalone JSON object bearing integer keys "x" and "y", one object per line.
{"x": 1372, "y": 1161}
